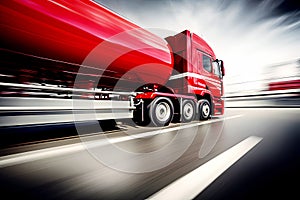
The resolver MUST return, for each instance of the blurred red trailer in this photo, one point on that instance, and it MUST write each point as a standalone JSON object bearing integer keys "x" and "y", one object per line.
{"x": 284, "y": 76}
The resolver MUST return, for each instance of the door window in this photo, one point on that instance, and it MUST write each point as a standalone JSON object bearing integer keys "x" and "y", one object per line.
{"x": 207, "y": 63}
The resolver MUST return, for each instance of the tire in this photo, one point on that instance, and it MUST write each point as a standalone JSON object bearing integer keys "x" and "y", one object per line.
{"x": 161, "y": 111}
{"x": 204, "y": 109}
{"x": 188, "y": 111}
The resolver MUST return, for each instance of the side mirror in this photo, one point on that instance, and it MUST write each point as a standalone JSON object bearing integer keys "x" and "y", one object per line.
{"x": 222, "y": 67}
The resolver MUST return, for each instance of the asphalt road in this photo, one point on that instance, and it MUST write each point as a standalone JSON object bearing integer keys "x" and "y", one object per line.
{"x": 247, "y": 154}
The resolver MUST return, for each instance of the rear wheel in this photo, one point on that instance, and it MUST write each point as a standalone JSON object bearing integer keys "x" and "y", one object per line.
{"x": 188, "y": 111}
{"x": 161, "y": 111}
{"x": 204, "y": 109}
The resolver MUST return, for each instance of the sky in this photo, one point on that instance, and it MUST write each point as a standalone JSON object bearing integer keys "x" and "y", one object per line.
{"x": 249, "y": 35}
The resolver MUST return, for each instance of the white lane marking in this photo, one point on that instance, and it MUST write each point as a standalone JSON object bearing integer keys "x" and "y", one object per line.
{"x": 190, "y": 185}
{"x": 152, "y": 133}
{"x": 29, "y": 156}
{"x": 19, "y": 158}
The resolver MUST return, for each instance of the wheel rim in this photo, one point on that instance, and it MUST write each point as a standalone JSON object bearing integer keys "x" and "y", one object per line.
{"x": 205, "y": 110}
{"x": 188, "y": 111}
{"x": 163, "y": 111}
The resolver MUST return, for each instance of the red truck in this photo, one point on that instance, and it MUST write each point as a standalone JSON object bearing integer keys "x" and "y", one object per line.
{"x": 47, "y": 45}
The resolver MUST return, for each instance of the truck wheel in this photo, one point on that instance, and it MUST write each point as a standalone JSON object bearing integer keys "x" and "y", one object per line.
{"x": 161, "y": 111}
{"x": 204, "y": 109}
{"x": 188, "y": 111}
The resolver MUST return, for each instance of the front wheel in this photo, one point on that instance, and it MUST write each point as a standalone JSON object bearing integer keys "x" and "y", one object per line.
{"x": 161, "y": 111}
{"x": 204, "y": 109}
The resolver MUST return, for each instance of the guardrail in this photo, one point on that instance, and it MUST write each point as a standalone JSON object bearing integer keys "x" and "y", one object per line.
{"x": 279, "y": 98}
{"x": 20, "y": 111}
{"x": 34, "y": 104}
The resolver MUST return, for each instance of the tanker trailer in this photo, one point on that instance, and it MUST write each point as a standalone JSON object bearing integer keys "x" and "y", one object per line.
{"x": 68, "y": 31}
{"x": 75, "y": 47}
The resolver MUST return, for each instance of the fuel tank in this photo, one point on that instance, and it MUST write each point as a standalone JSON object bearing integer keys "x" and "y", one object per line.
{"x": 85, "y": 38}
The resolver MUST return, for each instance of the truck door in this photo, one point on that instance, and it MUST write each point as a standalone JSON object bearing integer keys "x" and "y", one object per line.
{"x": 212, "y": 76}
{"x": 217, "y": 78}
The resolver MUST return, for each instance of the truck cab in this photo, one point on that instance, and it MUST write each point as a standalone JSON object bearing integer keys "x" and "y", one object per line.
{"x": 197, "y": 71}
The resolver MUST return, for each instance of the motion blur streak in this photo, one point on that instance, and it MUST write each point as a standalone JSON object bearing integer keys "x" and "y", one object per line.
{"x": 55, "y": 151}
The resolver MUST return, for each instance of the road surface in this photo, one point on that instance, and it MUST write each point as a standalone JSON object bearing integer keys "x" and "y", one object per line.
{"x": 250, "y": 153}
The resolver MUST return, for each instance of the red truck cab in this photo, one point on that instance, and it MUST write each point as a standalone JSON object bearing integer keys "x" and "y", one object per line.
{"x": 195, "y": 62}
